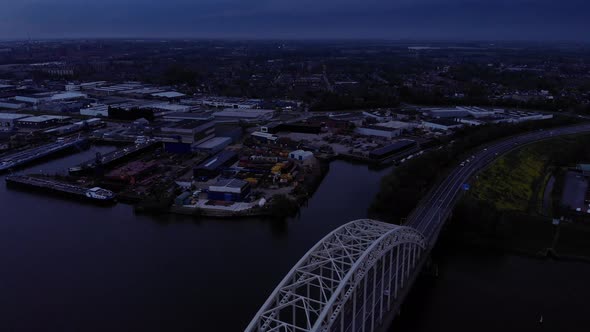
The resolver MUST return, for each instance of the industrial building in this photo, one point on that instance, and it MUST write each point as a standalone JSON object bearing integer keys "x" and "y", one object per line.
{"x": 202, "y": 116}
{"x": 512, "y": 116}
{"x": 441, "y": 124}
{"x": 170, "y": 95}
{"x": 9, "y": 120}
{"x": 41, "y": 121}
{"x": 264, "y": 137}
{"x": 233, "y": 132}
{"x": 214, "y": 145}
{"x": 11, "y": 105}
{"x": 389, "y": 129}
{"x": 95, "y": 110}
{"x": 229, "y": 190}
{"x": 301, "y": 155}
{"x": 167, "y": 108}
{"x": 235, "y": 103}
{"x": 212, "y": 167}
{"x": 65, "y": 96}
{"x": 448, "y": 112}
{"x": 33, "y": 98}
{"x": 478, "y": 112}
{"x": 392, "y": 149}
{"x": 245, "y": 114}
{"x": 188, "y": 131}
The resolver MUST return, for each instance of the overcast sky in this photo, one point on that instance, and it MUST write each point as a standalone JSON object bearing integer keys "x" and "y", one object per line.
{"x": 380, "y": 19}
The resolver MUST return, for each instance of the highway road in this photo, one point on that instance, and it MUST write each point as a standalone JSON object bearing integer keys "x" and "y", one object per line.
{"x": 432, "y": 211}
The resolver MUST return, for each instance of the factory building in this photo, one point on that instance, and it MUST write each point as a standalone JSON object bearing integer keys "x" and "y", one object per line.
{"x": 9, "y": 120}
{"x": 95, "y": 110}
{"x": 445, "y": 112}
{"x": 392, "y": 149}
{"x": 11, "y": 105}
{"x": 233, "y": 132}
{"x": 169, "y": 95}
{"x": 34, "y": 98}
{"x": 521, "y": 116}
{"x": 188, "y": 131}
{"x": 441, "y": 124}
{"x": 235, "y": 103}
{"x": 389, "y": 129}
{"x": 478, "y": 112}
{"x": 246, "y": 114}
{"x": 202, "y": 116}
{"x": 213, "y": 145}
{"x": 264, "y": 137}
{"x": 66, "y": 96}
{"x": 41, "y": 121}
{"x": 212, "y": 167}
{"x": 229, "y": 190}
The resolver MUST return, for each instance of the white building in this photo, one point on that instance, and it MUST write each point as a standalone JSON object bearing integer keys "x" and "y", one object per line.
{"x": 301, "y": 155}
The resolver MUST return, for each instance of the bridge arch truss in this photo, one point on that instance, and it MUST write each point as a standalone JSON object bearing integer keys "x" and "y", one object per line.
{"x": 348, "y": 281}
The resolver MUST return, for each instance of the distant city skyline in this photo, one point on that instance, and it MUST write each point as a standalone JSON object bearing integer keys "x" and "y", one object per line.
{"x": 536, "y": 20}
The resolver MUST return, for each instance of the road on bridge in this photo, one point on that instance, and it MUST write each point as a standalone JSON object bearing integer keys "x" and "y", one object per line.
{"x": 430, "y": 214}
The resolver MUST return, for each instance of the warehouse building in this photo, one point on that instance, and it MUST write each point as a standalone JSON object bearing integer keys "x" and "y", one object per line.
{"x": 246, "y": 114}
{"x": 229, "y": 190}
{"x": 214, "y": 145}
{"x": 212, "y": 167}
{"x": 233, "y": 132}
{"x": 445, "y": 112}
{"x": 389, "y": 129}
{"x": 66, "y": 96}
{"x": 201, "y": 116}
{"x": 441, "y": 124}
{"x": 41, "y": 121}
{"x": 226, "y": 102}
{"x": 188, "y": 131}
{"x": 9, "y": 120}
{"x": 392, "y": 149}
{"x": 95, "y": 110}
{"x": 11, "y": 105}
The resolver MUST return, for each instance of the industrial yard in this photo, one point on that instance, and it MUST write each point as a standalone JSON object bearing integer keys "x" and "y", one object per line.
{"x": 210, "y": 155}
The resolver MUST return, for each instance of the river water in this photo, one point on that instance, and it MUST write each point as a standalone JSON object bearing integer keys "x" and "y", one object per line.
{"x": 67, "y": 266}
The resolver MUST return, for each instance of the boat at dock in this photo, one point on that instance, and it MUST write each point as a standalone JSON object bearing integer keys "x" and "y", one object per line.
{"x": 113, "y": 158}
{"x": 95, "y": 194}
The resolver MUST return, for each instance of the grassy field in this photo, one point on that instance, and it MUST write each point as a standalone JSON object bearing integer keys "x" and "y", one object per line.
{"x": 504, "y": 206}
{"x": 514, "y": 181}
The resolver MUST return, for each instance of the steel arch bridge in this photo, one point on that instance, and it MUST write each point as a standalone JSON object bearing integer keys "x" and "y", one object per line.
{"x": 348, "y": 281}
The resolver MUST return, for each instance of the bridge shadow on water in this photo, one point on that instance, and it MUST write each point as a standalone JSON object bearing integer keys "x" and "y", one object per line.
{"x": 475, "y": 289}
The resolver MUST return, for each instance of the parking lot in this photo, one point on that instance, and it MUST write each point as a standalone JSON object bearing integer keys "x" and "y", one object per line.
{"x": 574, "y": 191}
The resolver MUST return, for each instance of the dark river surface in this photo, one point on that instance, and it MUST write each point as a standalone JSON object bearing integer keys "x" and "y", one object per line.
{"x": 66, "y": 266}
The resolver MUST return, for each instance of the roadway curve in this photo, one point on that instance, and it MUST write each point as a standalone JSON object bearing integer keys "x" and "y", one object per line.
{"x": 432, "y": 211}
